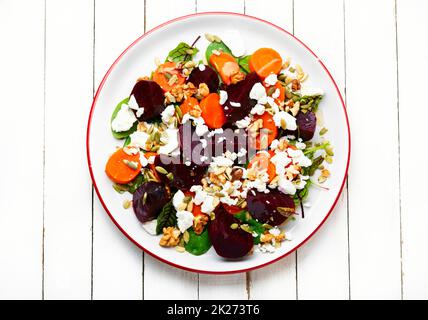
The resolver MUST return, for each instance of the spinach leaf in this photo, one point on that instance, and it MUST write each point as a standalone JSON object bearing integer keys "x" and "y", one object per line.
{"x": 183, "y": 52}
{"x": 166, "y": 218}
{"x": 314, "y": 166}
{"x": 219, "y": 46}
{"x": 131, "y": 186}
{"x": 243, "y": 63}
{"x": 254, "y": 225}
{"x": 127, "y": 141}
{"x": 124, "y": 134}
{"x": 198, "y": 244}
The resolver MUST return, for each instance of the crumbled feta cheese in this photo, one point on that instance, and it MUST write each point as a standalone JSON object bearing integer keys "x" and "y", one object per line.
{"x": 223, "y": 96}
{"x": 258, "y": 109}
{"x": 172, "y": 142}
{"x": 124, "y": 119}
{"x": 204, "y": 143}
{"x": 222, "y": 161}
{"x": 184, "y": 220}
{"x": 272, "y": 103}
{"x": 208, "y": 205}
{"x": 132, "y": 103}
{"x": 271, "y": 79}
{"x": 235, "y": 104}
{"x": 199, "y": 196}
{"x": 275, "y": 231}
{"x": 274, "y": 144}
{"x": 201, "y": 67}
{"x": 276, "y": 93}
{"x": 242, "y": 152}
{"x": 143, "y": 160}
{"x": 267, "y": 247}
{"x": 151, "y": 159}
{"x": 140, "y": 112}
{"x": 281, "y": 161}
{"x": 299, "y": 158}
{"x": 150, "y": 227}
{"x": 288, "y": 118}
{"x": 178, "y": 199}
{"x": 228, "y": 200}
{"x": 258, "y": 92}
{"x": 310, "y": 92}
{"x": 139, "y": 139}
{"x": 286, "y": 186}
{"x": 243, "y": 123}
{"x": 168, "y": 113}
{"x": 300, "y": 145}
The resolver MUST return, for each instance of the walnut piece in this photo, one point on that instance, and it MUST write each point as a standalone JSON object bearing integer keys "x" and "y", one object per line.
{"x": 203, "y": 91}
{"x": 235, "y": 78}
{"x": 268, "y": 237}
{"x": 199, "y": 222}
{"x": 295, "y": 85}
{"x": 170, "y": 238}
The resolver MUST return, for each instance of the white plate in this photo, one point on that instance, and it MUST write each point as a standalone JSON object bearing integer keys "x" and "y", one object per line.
{"x": 138, "y": 60}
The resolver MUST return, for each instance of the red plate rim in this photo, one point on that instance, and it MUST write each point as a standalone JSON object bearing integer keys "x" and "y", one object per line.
{"x": 89, "y": 128}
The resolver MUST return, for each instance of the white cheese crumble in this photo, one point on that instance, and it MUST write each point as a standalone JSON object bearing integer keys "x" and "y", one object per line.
{"x": 223, "y": 97}
{"x": 168, "y": 113}
{"x": 172, "y": 142}
{"x": 178, "y": 199}
{"x": 140, "y": 112}
{"x": 124, "y": 120}
{"x": 208, "y": 205}
{"x": 132, "y": 103}
{"x": 288, "y": 118}
{"x": 199, "y": 196}
{"x": 235, "y": 104}
{"x": 258, "y": 109}
{"x": 222, "y": 161}
{"x": 139, "y": 139}
{"x": 201, "y": 67}
{"x": 276, "y": 93}
{"x": 271, "y": 79}
{"x": 280, "y": 160}
{"x": 243, "y": 123}
{"x": 299, "y": 158}
{"x": 286, "y": 186}
{"x": 184, "y": 220}
{"x": 310, "y": 92}
{"x": 143, "y": 160}
{"x": 258, "y": 92}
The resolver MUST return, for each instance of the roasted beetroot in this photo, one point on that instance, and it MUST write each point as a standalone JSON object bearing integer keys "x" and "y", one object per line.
{"x": 306, "y": 123}
{"x": 208, "y": 76}
{"x": 228, "y": 242}
{"x": 239, "y": 94}
{"x": 148, "y": 200}
{"x": 149, "y": 95}
{"x": 183, "y": 176}
{"x": 272, "y": 208}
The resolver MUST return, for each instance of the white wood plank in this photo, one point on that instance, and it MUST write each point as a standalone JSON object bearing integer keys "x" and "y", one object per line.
{"x": 374, "y": 217}
{"x": 413, "y": 66}
{"x": 117, "y": 263}
{"x": 220, "y": 5}
{"x": 160, "y": 280}
{"x": 322, "y": 264}
{"x": 68, "y": 200}
{"x": 21, "y": 184}
{"x": 277, "y": 281}
{"x": 230, "y": 286}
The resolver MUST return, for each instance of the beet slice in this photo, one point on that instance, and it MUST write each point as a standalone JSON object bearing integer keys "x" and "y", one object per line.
{"x": 240, "y": 93}
{"x": 227, "y": 242}
{"x": 263, "y": 206}
{"x": 148, "y": 207}
{"x": 183, "y": 176}
{"x": 208, "y": 76}
{"x": 149, "y": 95}
{"x": 306, "y": 122}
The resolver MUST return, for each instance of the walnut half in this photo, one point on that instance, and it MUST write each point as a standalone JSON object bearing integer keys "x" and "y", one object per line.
{"x": 170, "y": 238}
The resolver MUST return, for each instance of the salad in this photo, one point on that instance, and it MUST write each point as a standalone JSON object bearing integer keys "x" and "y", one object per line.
{"x": 218, "y": 148}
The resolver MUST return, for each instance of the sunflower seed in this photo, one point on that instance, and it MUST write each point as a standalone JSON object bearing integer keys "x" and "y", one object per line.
{"x": 234, "y": 226}
{"x": 186, "y": 236}
{"x": 209, "y": 37}
{"x": 131, "y": 164}
{"x": 127, "y": 204}
{"x": 180, "y": 249}
{"x": 170, "y": 176}
{"x": 144, "y": 197}
{"x": 161, "y": 170}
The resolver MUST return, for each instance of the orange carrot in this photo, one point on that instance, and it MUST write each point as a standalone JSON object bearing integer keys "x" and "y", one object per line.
{"x": 265, "y": 61}
{"x": 196, "y": 208}
{"x": 270, "y": 131}
{"x": 123, "y": 168}
{"x": 262, "y": 161}
{"x": 226, "y": 66}
{"x": 163, "y": 74}
{"x": 188, "y": 105}
{"x": 212, "y": 111}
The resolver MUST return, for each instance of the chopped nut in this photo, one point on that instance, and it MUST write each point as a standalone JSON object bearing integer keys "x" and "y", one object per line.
{"x": 295, "y": 85}
{"x": 203, "y": 90}
{"x": 325, "y": 173}
{"x": 170, "y": 237}
{"x": 199, "y": 223}
{"x": 235, "y": 78}
{"x": 196, "y": 111}
{"x": 237, "y": 174}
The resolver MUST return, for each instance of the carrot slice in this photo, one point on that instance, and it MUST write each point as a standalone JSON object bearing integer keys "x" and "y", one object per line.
{"x": 226, "y": 66}
{"x": 232, "y": 209}
{"x": 270, "y": 131}
{"x": 265, "y": 61}
{"x": 188, "y": 105}
{"x": 163, "y": 74}
{"x": 212, "y": 111}
{"x": 119, "y": 166}
{"x": 262, "y": 161}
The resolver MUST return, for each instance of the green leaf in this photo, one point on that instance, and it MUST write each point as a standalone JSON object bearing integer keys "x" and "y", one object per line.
{"x": 255, "y": 226}
{"x": 219, "y": 46}
{"x": 166, "y": 218}
{"x": 124, "y": 134}
{"x": 181, "y": 53}
{"x": 314, "y": 166}
{"x": 243, "y": 63}
{"x": 131, "y": 186}
{"x": 198, "y": 244}
{"x": 127, "y": 141}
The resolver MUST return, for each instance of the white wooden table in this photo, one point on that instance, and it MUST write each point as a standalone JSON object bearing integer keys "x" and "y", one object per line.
{"x": 56, "y": 242}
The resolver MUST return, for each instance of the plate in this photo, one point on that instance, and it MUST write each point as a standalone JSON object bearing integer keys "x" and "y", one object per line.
{"x": 138, "y": 60}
